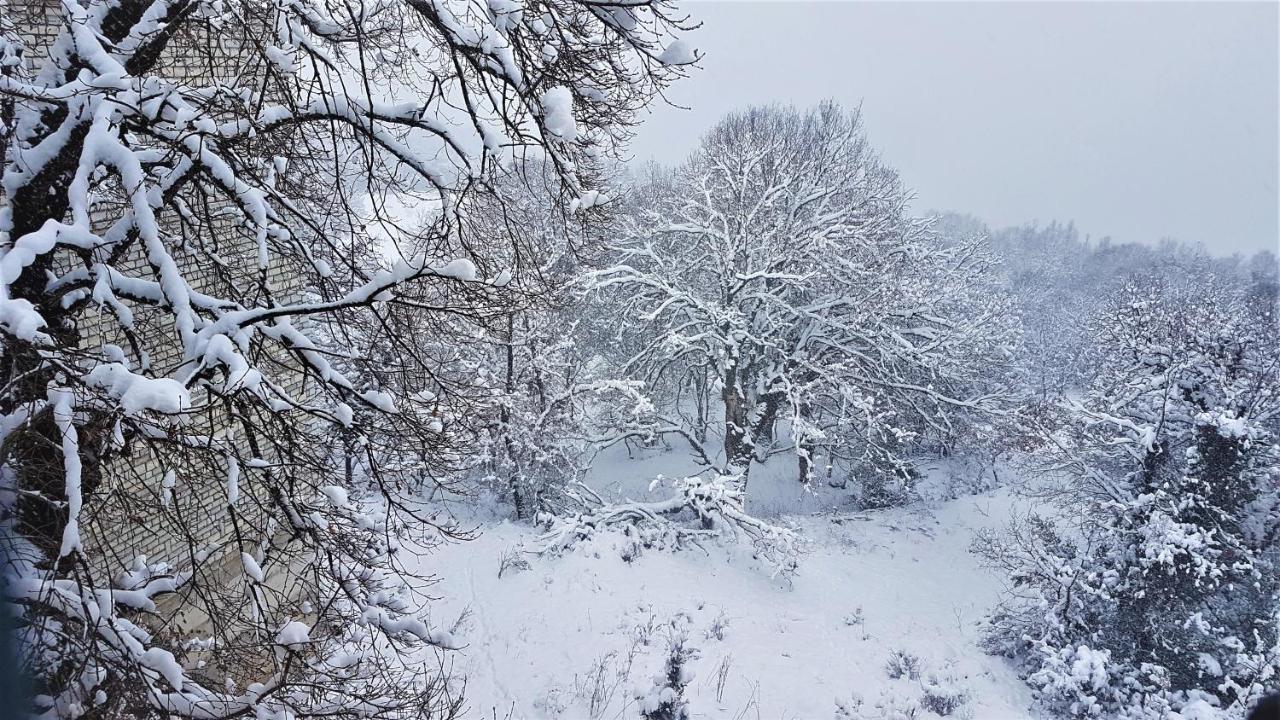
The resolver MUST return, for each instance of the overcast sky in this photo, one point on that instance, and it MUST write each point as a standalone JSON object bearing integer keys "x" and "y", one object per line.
{"x": 1139, "y": 121}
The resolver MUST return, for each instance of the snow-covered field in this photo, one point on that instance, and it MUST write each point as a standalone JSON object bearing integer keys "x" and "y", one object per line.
{"x": 578, "y": 636}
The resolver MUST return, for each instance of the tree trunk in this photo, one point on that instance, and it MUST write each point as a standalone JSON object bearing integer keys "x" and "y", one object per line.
{"x": 737, "y": 452}
{"x": 805, "y": 450}
{"x": 515, "y": 483}
{"x": 702, "y": 403}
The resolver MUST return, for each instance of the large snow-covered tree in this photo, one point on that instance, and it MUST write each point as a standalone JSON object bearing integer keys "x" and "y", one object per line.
{"x": 199, "y": 196}
{"x": 779, "y": 272}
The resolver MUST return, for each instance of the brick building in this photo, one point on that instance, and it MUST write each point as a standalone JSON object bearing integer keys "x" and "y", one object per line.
{"x": 167, "y": 509}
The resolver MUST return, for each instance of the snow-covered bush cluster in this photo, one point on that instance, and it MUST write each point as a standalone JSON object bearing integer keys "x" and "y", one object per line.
{"x": 665, "y": 700}
{"x": 1162, "y": 593}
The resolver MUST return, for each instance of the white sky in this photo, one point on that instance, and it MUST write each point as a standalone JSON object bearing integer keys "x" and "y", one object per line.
{"x": 1136, "y": 120}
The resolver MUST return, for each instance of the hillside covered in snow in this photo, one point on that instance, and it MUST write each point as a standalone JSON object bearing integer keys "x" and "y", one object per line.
{"x": 882, "y": 617}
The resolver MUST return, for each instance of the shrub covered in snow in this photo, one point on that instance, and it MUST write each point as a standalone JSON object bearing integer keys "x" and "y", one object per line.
{"x": 943, "y": 695}
{"x": 902, "y": 664}
{"x": 664, "y": 699}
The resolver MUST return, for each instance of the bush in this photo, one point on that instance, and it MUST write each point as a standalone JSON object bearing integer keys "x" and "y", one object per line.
{"x": 943, "y": 696}
{"x": 882, "y": 490}
{"x": 903, "y": 664}
{"x": 665, "y": 700}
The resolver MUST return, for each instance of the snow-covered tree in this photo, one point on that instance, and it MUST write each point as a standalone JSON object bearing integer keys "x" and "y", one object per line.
{"x": 778, "y": 279}
{"x": 198, "y": 196}
{"x": 1163, "y": 589}
{"x": 539, "y": 402}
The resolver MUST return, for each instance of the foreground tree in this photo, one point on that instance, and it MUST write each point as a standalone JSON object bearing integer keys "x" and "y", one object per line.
{"x": 174, "y": 293}
{"x": 1164, "y": 596}
{"x": 783, "y": 284}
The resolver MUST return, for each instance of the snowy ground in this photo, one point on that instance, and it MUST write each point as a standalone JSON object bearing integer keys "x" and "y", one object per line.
{"x": 578, "y": 636}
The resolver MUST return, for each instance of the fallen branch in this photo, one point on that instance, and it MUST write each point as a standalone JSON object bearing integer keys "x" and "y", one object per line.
{"x": 703, "y": 508}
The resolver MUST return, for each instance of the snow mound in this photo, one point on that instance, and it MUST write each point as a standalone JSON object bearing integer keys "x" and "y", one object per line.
{"x": 678, "y": 52}
{"x": 294, "y": 633}
{"x": 138, "y": 393}
{"x": 557, "y": 108}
